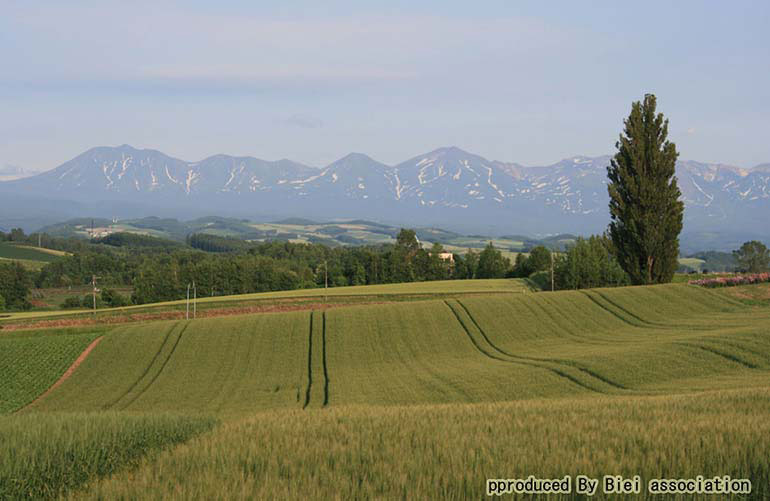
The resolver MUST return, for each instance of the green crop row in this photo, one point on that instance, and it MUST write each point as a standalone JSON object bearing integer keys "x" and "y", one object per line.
{"x": 45, "y": 455}
{"x": 11, "y": 251}
{"x": 30, "y": 365}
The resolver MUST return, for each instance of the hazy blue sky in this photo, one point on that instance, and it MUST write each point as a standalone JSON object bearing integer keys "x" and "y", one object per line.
{"x": 312, "y": 81}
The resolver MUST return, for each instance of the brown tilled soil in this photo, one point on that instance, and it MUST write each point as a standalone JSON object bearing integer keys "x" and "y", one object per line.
{"x": 176, "y": 315}
{"x": 69, "y": 371}
{"x": 756, "y": 293}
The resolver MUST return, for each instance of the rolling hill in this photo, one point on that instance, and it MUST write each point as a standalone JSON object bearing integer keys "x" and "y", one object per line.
{"x": 423, "y": 397}
{"x": 606, "y": 341}
{"x": 334, "y": 233}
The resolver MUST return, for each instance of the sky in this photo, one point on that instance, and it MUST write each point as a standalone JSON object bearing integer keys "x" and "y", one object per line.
{"x": 518, "y": 81}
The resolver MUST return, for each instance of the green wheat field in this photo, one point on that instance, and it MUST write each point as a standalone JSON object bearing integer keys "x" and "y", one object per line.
{"x": 418, "y": 399}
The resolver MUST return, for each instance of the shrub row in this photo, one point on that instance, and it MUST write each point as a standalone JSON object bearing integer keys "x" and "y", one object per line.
{"x": 756, "y": 278}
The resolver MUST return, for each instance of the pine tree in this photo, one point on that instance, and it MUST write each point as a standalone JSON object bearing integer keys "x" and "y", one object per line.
{"x": 645, "y": 209}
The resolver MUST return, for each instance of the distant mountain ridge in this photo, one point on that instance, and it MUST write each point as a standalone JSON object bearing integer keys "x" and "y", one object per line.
{"x": 448, "y": 187}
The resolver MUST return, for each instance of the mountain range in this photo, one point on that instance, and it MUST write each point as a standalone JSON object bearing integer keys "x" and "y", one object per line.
{"x": 447, "y": 187}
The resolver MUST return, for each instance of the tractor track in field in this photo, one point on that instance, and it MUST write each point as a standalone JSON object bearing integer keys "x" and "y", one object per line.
{"x": 323, "y": 358}
{"x": 642, "y": 323}
{"x": 531, "y": 361}
{"x": 70, "y": 370}
{"x": 165, "y": 362}
{"x": 539, "y": 310}
{"x": 476, "y": 343}
{"x": 614, "y": 313}
{"x": 737, "y": 346}
{"x": 726, "y": 356}
{"x": 309, "y": 363}
{"x": 579, "y": 367}
{"x": 647, "y": 323}
{"x": 324, "y": 368}
{"x": 146, "y": 370}
{"x": 526, "y": 362}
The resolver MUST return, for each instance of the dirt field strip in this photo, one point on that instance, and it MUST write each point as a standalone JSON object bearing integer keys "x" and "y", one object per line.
{"x": 72, "y": 368}
{"x": 177, "y": 315}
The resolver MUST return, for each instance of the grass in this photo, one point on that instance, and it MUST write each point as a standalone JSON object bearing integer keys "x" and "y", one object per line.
{"x": 427, "y": 399}
{"x": 13, "y": 251}
{"x": 754, "y": 295}
{"x": 45, "y": 455}
{"x": 439, "y": 287}
{"x": 471, "y": 349}
{"x": 30, "y": 365}
{"x": 228, "y": 365}
{"x": 448, "y": 451}
{"x": 421, "y": 353}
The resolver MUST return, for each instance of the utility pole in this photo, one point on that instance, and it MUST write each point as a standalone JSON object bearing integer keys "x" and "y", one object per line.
{"x": 39, "y": 240}
{"x": 326, "y": 280}
{"x": 93, "y": 285}
{"x": 195, "y": 301}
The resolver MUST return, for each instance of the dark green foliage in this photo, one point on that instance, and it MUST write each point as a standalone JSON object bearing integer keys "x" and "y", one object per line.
{"x": 2, "y": 303}
{"x": 113, "y": 299}
{"x": 407, "y": 240}
{"x": 17, "y": 235}
{"x": 225, "y": 266}
{"x": 215, "y": 243}
{"x": 492, "y": 263}
{"x": 72, "y": 302}
{"x": 541, "y": 280}
{"x": 15, "y": 282}
{"x": 589, "y": 263}
{"x": 645, "y": 208}
{"x": 123, "y": 239}
{"x": 520, "y": 266}
{"x": 86, "y": 301}
{"x": 460, "y": 269}
{"x": 539, "y": 259}
{"x": 112, "y": 268}
{"x": 753, "y": 257}
{"x": 471, "y": 263}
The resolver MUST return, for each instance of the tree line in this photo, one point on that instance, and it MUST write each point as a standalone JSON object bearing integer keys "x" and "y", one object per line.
{"x": 224, "y": 266}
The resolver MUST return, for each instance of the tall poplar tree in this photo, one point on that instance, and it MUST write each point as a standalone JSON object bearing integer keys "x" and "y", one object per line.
{"x": 645, "y": 210}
